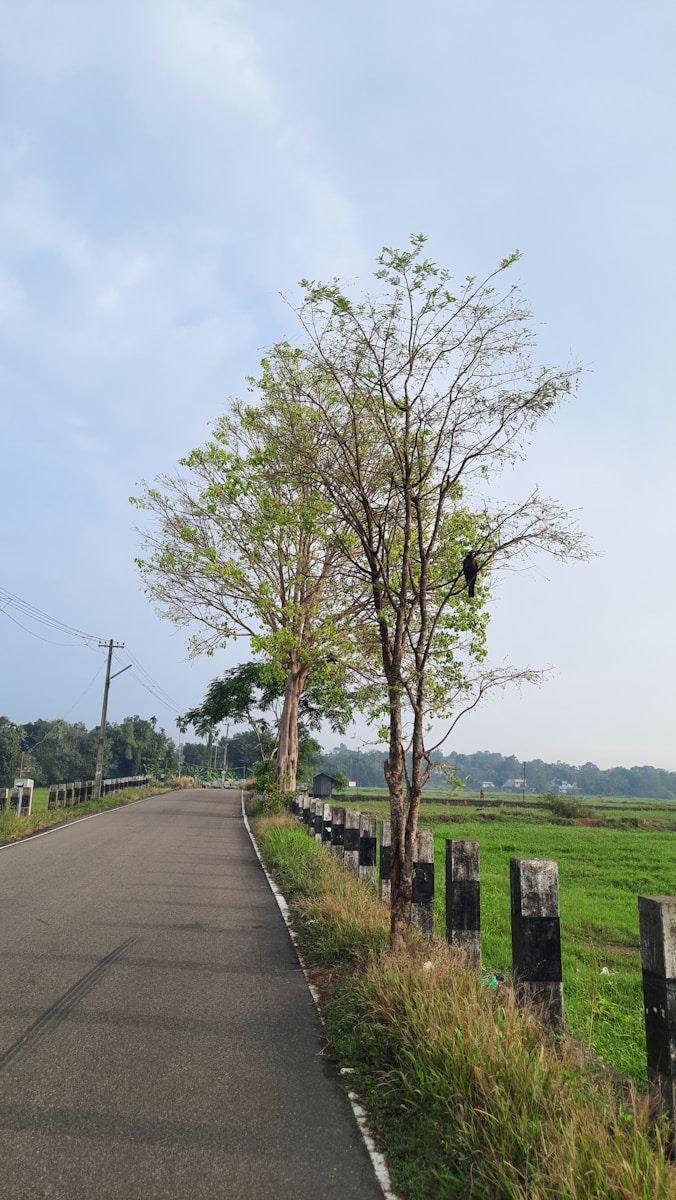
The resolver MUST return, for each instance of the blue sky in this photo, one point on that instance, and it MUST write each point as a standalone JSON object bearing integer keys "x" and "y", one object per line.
{"x": 168, "y": 167}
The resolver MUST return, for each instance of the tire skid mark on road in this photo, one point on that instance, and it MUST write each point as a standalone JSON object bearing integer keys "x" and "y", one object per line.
{"x": 59, "y": 1010}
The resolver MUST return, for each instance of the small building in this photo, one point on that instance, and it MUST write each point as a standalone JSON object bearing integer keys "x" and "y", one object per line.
{"x": 322, "y": 784}
{"x": 563, "y": 787}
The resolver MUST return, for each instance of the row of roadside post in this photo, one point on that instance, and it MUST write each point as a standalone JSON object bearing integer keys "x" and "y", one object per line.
{"x": 535, "y": 921}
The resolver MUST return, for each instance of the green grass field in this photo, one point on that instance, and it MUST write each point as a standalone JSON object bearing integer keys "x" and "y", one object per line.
{"x": 602, "y": 871}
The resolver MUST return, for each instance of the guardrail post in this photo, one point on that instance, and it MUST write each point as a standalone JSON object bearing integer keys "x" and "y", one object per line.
{"x": 367, "y": 847}
{"x": 384, "y": 884}
{"x": 317, "y": 822}
{"x": 422, "y": 907}
{"x": 657, "y": 921}
{"x": 338, "y": 831}
{"x": 351, "y": 855}
{"x": 327, "y": 814}
{"x": 3, "y": 799}
{"x": 536, "y": 937}
{"x": 463, "y": 908}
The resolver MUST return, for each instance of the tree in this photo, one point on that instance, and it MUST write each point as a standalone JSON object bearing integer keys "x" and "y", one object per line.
{"x": 57, "y": 751}
{"x": 253, "y": 692}
{"x": 420, "y": 397}
{"x": 11, "y": 742}
{"x": 239, "y": 549}
{"x": 138, "y": 747}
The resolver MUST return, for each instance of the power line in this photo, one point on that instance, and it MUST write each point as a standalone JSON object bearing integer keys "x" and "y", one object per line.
{"x": 146, "y": 681}
{"x": 30, "y": 612}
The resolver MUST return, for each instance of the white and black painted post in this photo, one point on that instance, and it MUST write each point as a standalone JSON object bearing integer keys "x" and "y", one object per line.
{"x": 367, "y": 848}
{"x": 657, "y": 922}
{"x": 422, "y": 907}
{"x": 305, "y": 811}
{"x": 536, "y": 937}
{"x": 384, "y": 883}
{"x": 318, "y": 819}
{"x": 351, "y": 855}
{"x": 463, "y": 904}
{"x": 327, "y": 815}
{"x": 338, "y": 831}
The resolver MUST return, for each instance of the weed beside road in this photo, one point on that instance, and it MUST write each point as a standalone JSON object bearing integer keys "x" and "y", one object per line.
{"x": 467, "y": 1095}
{"x": 602, "y": 870}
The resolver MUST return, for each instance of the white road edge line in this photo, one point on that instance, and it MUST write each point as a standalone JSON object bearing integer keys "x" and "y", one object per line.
{"x": 377, "y": 1159}
{"x": 32, "y": 837}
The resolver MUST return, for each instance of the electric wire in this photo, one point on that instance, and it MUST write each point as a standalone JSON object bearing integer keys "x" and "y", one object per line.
{"x": 32, "y": 613}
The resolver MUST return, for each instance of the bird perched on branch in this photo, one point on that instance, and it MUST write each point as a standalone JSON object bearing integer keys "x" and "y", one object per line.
{"x": 470, "y": 568}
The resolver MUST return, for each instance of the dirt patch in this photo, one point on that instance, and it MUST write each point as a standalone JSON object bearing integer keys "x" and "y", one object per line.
{"x": 588, "y": 821}
{"x": 323, "y": 981}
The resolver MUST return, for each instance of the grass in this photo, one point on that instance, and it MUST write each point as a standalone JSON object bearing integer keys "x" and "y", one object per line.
{"x": 602, "y": 871}
{"x": 466, "y": 1095}
{"x": 13, "y": 828}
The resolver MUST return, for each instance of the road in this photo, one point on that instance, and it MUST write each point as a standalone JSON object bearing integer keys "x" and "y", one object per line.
{"x": 157, "y": 1036}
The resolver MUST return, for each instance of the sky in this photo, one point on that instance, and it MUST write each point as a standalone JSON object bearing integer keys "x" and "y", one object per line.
{"x": 168, "y": 168}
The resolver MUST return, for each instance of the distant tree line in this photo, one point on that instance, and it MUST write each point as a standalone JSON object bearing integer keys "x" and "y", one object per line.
{"x": 57, "y": 751}
{"x": 365, "y": 767}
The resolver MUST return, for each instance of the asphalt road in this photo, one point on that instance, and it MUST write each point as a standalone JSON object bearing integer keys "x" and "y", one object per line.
{"x": 157, "y": 1036}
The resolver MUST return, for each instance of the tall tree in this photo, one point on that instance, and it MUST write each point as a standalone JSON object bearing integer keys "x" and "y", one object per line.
{"x": 421, "y": 394}
{"x": 253, "y": 693}
{"x": 11, "y": 743}
{"x": 239, "y": 548}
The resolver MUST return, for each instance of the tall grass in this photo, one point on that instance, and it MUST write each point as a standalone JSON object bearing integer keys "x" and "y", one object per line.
{"x": 467, "y": 1094}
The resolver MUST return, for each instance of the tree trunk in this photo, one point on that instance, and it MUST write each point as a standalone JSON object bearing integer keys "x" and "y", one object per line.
{"x": 287, "y": 753}
{"x": 401, "y": 878}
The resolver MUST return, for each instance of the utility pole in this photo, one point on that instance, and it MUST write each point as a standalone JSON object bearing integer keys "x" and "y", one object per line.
{"x": 104, "y": 713}
{"x": 225, "y": 754}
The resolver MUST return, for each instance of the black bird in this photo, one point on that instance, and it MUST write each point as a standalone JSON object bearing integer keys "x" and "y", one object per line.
{"x": 470, "y": 568}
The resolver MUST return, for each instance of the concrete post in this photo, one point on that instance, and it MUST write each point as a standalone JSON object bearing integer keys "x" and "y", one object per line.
{"x": 305, "y": 810}
{"x": 384, "y": 885}
{"x": 657, "y": 921}
{"x": 536, "y": 937}
{"x": 422, "y": 908}
{"x": 351, "y": 855}
{"x": 338, "y": 831}
{"x": 327, "y": 813}
{"x": 3, "y": 799}
{"x": 367, "y": 847}
{"x": 463, "y": 913}
{"x": 317, "y": 820}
